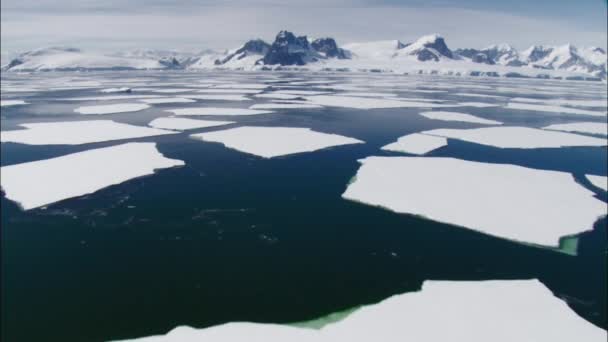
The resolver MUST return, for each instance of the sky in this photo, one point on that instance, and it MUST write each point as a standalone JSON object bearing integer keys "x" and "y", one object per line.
{"x": 190, "y": 25}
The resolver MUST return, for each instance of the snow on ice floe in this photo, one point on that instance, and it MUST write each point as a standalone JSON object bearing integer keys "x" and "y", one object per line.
{"x": 112, "y": 108}
{"x": 76, "y": 132}
{"x": 217, "y": 111}
{"x": 508, "y": 201}
{"x": 367, "y": 103}
{"x": 598, "y": 181}
{"x": 517, "y": 137}
{"x": 552, "y": 108}
{"x": 269, "y": 142}
{"x": 478, "y": 104}
{"x": 116, "y": 90}
{"x": 455, "y": 116}
{"x": 257, "y": 86}
{"x": 301, "y": 92}
{"x": 473, "y": 311}
{"x": 219, "y": 97}
{"x": 228, "y": 91}
{"x": 582, "y": 127}
{"x": 416, "y": 144}
{"x": 277, "y": 95}
{"x": 170, "y": 90}
{"x": 368, "y": 94}
{"x": 563, "y": 102}
{"x": 80, "y": 173}
{"x": 285, "y": 106}
{"x": 167, "y": 100}
{"x": 111, "y": 98}
{"x": 181, "y": 124}
{"x": 9, "y": 103}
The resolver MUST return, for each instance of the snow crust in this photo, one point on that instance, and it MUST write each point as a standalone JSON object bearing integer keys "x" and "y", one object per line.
{"x": 416, "y": 144}
{"x": 181, "y": 124}
{"x": 269, "y": 142}
{"x": 112, "y": 108}
{"x": 462, "y": 117}
{"x": 80, "y": 173}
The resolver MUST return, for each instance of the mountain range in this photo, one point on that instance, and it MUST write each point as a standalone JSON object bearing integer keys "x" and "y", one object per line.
{"x": 428, "y": 54}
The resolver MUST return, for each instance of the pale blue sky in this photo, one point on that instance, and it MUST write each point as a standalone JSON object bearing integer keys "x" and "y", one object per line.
{"x": 220, "y": 24}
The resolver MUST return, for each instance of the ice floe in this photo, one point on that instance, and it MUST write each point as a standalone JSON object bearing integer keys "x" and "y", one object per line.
{"x": 181, "y": 124}
{"x": 9, "y": 103}
{"x": 277, "y": 95}
{"x": 228, "y": 91}
{"x": 473, "y": 311}
{"x": 552, "y": 108}
{"x": 367, "y": 103}
{"x": 76, "y": 132}
{"x": 219, "y": 97}
{"x": 455, "y": 116}
{"x": 563, "y": 102}
{"x": 39, "y": 183}
{"x": 582, "y": 127}
{"x": 416, "y": 144}
{"x": 112, "y": 108}
{"x": 478, "y": 104}
{"x": 111, "y": 98}
{"x": 217, "y": 111}
{"x": 508, "y": 201}
{"x": 285, "y": 106}
{"x": 271, "y": 142}
{"x": 167, "y": 100}
{"x": 598, "y": 181}
{"x": 116, "y": 90}
{"x": 517, "y": 137}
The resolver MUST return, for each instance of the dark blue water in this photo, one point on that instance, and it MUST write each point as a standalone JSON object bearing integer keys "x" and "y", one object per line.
{"x": 233, "y": 237}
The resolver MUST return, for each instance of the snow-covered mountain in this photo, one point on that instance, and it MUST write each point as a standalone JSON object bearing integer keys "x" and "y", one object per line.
{"x": 428, "y": 54}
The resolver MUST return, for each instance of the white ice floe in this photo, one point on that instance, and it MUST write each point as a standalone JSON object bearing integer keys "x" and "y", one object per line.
{"x": 367, "y": 103}
{"x": 277, "y": 95}
{"x": 217, "y": 111}
{"x": 116, "y": 90}
{"x": 219, "y": 97}
{"x": 76, "y": 132}
{"x": 111, "y": 98}
{"x": 301, "y": 92}
{"x": 563, "y": 102}
{"x": 508, "y": 201}
{"x": 368, "y": 94}
{"x": 171, "y": 90}
{"x": 517, "y": 137}
{"x": 472, "y": 311}
{"x": 416, "y": 144}
{"x": 552, "y": 109}
{"x": 455, "y": 116}
{"x": 285, "y": 106}
{"x": 582, "y": 127}
{"x": 271, "y": 142}
{"x": 479, "y": 95}
{"x": 167, "y": 100}
{"x": 112, "y": 108}
{"x": 181, "y": 124}
{"x": 228, "y": 91}
{"x": 242, "y": 86}
{"x": 598, "y": 181}
{"x": 9, "y": 103}
{"x": 478, "y": 104}
{"x": 38, "y": 183}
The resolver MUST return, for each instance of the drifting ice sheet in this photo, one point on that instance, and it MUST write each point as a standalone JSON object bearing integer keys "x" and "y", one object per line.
{"x": 367, "y": 103}
{"x": 462, "y": 117}
{"x": 497, "y": 311}
{"x": 77, "y": 132}
{"x": 285, "y": 106}
{"x": 477, "y": 104}
{"x": 271, "y": 142}
{"x": 416, "y": 144}
{"x": 507, "y": 201}
{"x": 517, "y": 137}
{"x": 217, "y": 111}
{"x": 8, "y": 103}
{"x": 554, "y": 109}
{"x": 583, "y": 127}
{"x": 181, "y": 124}
{"x": 598, "y": 181}
{"x": 80, "y": 173}
{"x": 219, "y": 97}
{"x": 167, "y": 100}
{"x": 112, "y": 108}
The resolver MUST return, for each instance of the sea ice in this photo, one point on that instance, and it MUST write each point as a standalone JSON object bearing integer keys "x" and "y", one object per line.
{"x": 167, "y": 100}
{"x": 462, "y": 117}
{"x": 583, "y": 127}
{"x": 517, "y": 137}
{"x": 598, "y": 181}
{"x": 181, "y": 124}
{"x": 508, "y": 201}
{"x": 478, "y": 104}
{"x": 563, "y": 102}
{"x": 76, "y": 132}
{"x": 551, "y": 108}
{"x": 8, "y": 103}
{"x": 116, "y": 90}
{"x": 219, "y": 97}
{"x": 112, "y": 108}
{"x": 228, "y": 91}
{"x": 285, "y": 106}
{"x": 472, "y": 311}
{"x": 416, "y": 144}
{"x": 366, "y": 103}
{"x": 38, "y": 183}
{"x": 217, "y": 111}
{"x": 271, "y": 142}
{"x": 277, "y": 95}
{"x": 111, "y": 98}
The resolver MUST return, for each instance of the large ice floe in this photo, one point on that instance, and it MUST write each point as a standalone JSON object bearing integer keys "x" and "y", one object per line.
{"x": 167, "y": 100}
{"x": 219, "y": 97}
{"x": 508, "y": 201}
{"x": 517, "y": 137}
{"x": 553, "y": 109}
{"x": 598, "y": 181}
{"x": 478, "y": 104}
{"x": 367, "y": 103}
{"x": 217, "y": 111}
{"x": 39, "y": 183}
{"x": 582, "y": 127}
{"x": 271, "y": 142}
{"x": 472, "y": 311}
{"x": 462, "y": 117}
{"x": 563, "y": 102}
{"x": 77, "y": 132}
{"x": 181, "y": 124}
{"x": 112, "y": 108}
{"x": 10, "y": 103}
{"x": 416, "y": 144}
{"x": 285, "y": 106}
